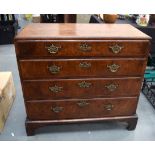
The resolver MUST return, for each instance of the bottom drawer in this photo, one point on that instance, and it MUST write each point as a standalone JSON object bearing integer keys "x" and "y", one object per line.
{"x": 78, "y": 108}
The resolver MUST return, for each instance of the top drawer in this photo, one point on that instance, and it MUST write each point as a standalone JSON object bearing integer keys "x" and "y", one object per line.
{"x": 82, "y": 48}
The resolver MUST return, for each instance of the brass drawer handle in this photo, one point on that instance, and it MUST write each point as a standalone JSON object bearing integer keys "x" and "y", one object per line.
{"x": 109, "y": 107}
{"x": 84, "y": 84}
{"x": 113, "y": 68}
{"x": 85, "y": 65}
{"x": 112, "y": 87}
{"x": 54, "y": 69}
{"x": 85, "y": 47}
{"x": 116, "y": 48}
{"x": 53, "y": 49}
{"x": 56, "y": 89}
{"x": 83, "y": 103}
{"x": 57, "y": 109}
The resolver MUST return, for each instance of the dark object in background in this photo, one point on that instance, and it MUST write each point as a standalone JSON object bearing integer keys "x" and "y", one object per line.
{"x": 152, "y": 19}
{"x": 52, "y": 18}
{"x": 148, "y": 90}
{"x": 95, "y": 19}
{"x": 151, "y": 60}
{"x": 134, "y": 17}
{"x": 58, "y": 18}
{"x": 8, "y": 28}
{"x": 121, "y": 17}
{"x": 6, "y": 19}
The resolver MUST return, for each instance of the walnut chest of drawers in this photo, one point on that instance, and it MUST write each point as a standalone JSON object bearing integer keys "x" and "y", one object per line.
{"x": 81, "y": 72}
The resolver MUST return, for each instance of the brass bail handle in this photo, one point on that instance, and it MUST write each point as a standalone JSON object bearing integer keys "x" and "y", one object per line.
{"x": 57, "y": 109}
{"x": 53, "y": 49}
{"x": 109, "y": 107}
{"x": 84, "y": 84}
{"x": 56, "y": 89}
{"x": 85, "y": 65}
{"x": 84, "y": 47}
{"x": 83, "y": 103}
{"x": 113, "y": 68}
{"x": 112, "y": 87}
{"x": 116, "y": 48}
{"x": 54, "y": 69}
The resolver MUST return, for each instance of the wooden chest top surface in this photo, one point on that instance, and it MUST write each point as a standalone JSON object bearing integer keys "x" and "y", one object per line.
{"x": 80, "y": 31}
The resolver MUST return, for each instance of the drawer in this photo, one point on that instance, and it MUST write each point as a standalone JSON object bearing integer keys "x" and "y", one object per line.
{"x": 31, "y": 69}
{"x": 85, "y": 48}
{"x": 86, "y": 108}
{"x": 81, "y": 88}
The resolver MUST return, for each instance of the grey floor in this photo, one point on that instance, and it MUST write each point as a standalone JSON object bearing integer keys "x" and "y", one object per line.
{"x": 14, "y": 128}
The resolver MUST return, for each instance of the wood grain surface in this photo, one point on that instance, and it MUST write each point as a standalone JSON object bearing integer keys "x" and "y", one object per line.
{"x": 71, "y": 48}
{"x": 80, "y": 31}
{"x": 39, "y": 89}
{"x": 99, "y": 107}
{"x": 69, "y": 68}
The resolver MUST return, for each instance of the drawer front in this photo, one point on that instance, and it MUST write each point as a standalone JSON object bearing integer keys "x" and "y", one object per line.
{"x": 81, "y": 88}
{"x": 82, "y": 48}
{"x": 31, "y": 69}
{"x": 70, "y": 109}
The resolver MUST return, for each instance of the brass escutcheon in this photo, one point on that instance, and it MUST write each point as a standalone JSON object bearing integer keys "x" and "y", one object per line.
{"x": 85, "y": 65}
{"x": 54, "y": 69}
{"x": 116, "y": 48}
{"x": 113, "y": 68}
{"x": 57, "y": 109}
{"x": 83, "y": 103}
{"x": 53, "y": 49}
{"x": 112, "y": 87}
{"x": 56, "y": 89}
{"x": 85, "y": 47}
{"x": 109, "y": 107}
{"x": 84, "y": 84}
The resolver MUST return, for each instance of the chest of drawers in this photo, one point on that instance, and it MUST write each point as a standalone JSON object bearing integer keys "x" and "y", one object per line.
{"x": 81, "y": 72}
